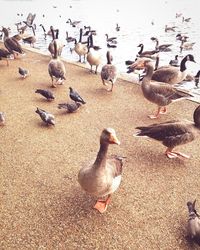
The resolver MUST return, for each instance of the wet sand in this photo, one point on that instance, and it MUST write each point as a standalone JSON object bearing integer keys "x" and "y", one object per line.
{"x": 42, "y": 204}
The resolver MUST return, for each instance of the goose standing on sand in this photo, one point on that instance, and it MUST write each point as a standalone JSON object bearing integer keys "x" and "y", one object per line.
{"x": 193, "y": 226}
{"x": 173, "y": 133}
{"x": 5, "y": 54}
{"x": 80, "y": 48}
{"x": 159, "y": 93}
{"x": 93, "y": 56}
{"x": 109, "y": 72}
{"x": 56, "y": 68}
{"x": 11, "y": 44}
{"x": 171, "y": 74}
{"x": 103, "y": 177}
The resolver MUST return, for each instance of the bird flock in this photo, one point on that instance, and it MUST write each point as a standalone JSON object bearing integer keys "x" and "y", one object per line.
{"x": 158, "y": 86}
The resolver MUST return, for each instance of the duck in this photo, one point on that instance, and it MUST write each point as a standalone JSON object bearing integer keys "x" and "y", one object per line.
{"x": 186, "y": 45}
{"x": 5, "y": 54}
{"x": 74, "y": 23}
{"x": 11, "y": 44}
{"x": 193, "y": 226}
{"x": 93, "y": 56}
{"x": 80, "y": 48}
{"x": 174, "y": 62}
{"x": 69, "y": 39}
{"x": 48, "y": 118}
{"x": 103, "y": 177}
{"x": 150, "y": 53}
{"x": 162, "y": 47}
{"x": 109, "y": 72}
{"x": 173, "y": 75}
{"x": 56, "y": 68}
{"x": 173, "y": 133}
{"x": 70, "y": 107}
{"x": 159, "y": 93}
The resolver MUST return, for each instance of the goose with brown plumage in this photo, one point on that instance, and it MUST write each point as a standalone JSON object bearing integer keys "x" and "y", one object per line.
{"x": 103, "y": 177}
{"x": 12, "y": 44}
{"x": 148, "y": 53}
{"x": 5, "y": 54}
{"x": 171, "y": 74}
{"x": 160, "y": 93}
{"x": 56, "y": 68}
{"x": 59, "y": 44}
{"x": 109, "y": 72}
{"x": 173, "y": 133}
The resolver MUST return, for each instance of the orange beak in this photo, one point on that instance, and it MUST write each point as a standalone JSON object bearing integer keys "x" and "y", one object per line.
{"x": 114, "y": 140}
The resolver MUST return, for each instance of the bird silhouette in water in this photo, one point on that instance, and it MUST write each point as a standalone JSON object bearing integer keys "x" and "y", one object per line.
{"x": 46, "y": 93}
{"x": 74, "y": 95}
{"x": 48, "y": 118}
{"x": 23, "y": 72}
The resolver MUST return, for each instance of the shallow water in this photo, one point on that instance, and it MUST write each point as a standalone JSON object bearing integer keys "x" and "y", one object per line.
{"x": 134, "y": 18}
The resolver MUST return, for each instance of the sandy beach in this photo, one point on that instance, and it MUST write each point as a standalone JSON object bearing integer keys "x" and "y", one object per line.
{"x": 42, "y": 205}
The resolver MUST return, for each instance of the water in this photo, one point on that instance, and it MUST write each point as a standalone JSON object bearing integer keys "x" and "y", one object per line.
{"x": 134, "y": 18}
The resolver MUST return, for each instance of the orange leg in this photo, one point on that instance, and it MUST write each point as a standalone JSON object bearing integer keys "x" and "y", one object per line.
{"x": 101, "y": 205}
{"x": 156, "y": 115}
{"x": 173, "y": 154}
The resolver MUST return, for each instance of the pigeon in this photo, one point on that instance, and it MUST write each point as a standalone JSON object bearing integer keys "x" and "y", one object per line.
{"x": 48, "y": 118}
{"x": 70, "y": 107}
{"x": 75, "y": 96}
{"x": 23, "y": 72}
{"x": 46, "y": 93}
{"x": 2, "y": 118}
{"x": 193, "y": 223}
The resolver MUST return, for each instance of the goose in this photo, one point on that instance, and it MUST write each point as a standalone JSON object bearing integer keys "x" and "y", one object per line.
{"x": 93, "y": 56}
{"x": 173, "y": 133}
{"x": 110, "y": 39}
{"x": 30, "y": 39}
{"x": 171, "y": 74}
{"x": 174, "y": 62}
{"x": 56, "y": 68}
{"x": 103, "y": 177}
{"x": 89, "y": 31}
{"x": 186, "y": 45}
{"x": 160, "y": 93}
{"x": 150, "y": 53}
{"x": 11, "y": 44}
{"x": 60, "y": 45}
{"x": 117, "y": 27}
{"x": 69, "y": 39}
{"x": 162, "y": 47}
{"x": 5, "y": 54}
{"x": 74, "y": 23}
{"x": 109, "y": 72}
{"x": 167, "y": 28}
{"x": 196, "y": 79}
{"x": 182, "y": 37}
{"x": 80, "y": 48}
{"x": 193, "y": 225}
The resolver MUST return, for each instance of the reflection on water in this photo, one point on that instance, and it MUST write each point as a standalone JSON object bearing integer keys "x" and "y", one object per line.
{"x": 137, "y": 25}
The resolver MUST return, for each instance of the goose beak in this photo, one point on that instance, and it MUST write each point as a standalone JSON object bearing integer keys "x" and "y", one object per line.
{"x": 114, "y": 140}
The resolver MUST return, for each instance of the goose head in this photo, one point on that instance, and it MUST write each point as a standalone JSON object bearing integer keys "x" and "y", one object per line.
{"x": 108, "y": 136}
{"x": 190, "y": 57}
{"x": 196, "y": 117}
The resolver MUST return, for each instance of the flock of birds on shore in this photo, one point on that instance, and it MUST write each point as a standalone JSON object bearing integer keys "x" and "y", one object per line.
{"x": 103, "y": 177}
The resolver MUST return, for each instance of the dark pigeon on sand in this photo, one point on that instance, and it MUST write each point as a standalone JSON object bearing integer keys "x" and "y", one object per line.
{"x": 70, "y": 107}
{"x": 46, "y": 93}
{"x": 23, "y": 72}
{"x": 75, "y": 96}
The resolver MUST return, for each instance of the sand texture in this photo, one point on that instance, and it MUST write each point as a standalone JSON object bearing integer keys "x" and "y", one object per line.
{"x": 41, "y": 203}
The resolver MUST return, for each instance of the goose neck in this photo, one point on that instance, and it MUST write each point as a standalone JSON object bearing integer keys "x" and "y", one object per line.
{"x": 183, "y": 64}
{"x": 101, "y": 156}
